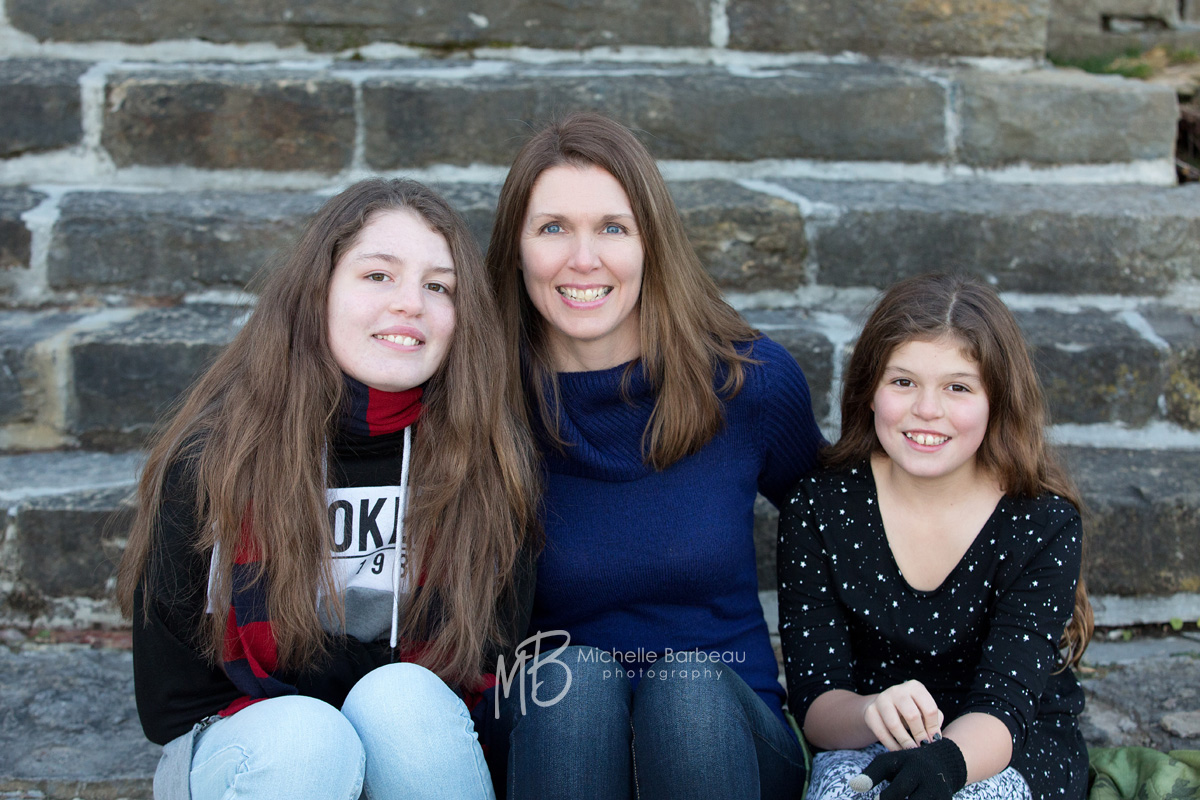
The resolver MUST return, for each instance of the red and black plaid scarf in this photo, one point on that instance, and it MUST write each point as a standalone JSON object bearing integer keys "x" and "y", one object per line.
{"x": 250, "y": 656}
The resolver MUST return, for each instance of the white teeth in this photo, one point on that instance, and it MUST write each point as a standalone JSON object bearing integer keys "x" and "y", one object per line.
{"x": 927, "y": 439}
{"x": 583, "y": 295}
{"x": 407, "y": 341}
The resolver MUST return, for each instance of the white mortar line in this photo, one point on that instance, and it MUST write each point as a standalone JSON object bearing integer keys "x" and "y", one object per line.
{"x": 1156, "y": 435}
{"x": 40, "y": 220}
{"x": 1136, "y": 321}
{"x": 718, "y": 34}
{"x": 358, "y": 159}
{"x": 808, "y": 208}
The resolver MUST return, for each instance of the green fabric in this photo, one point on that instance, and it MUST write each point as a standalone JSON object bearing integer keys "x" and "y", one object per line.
{"x": 1139, "y": 773}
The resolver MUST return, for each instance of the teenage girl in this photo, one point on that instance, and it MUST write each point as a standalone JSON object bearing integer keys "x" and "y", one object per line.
{"x": 928, "y": 571}
{"x": 330, "y": 543}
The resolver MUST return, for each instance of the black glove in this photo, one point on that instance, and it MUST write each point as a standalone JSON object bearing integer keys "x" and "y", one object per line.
{"x": 933, "y": 771}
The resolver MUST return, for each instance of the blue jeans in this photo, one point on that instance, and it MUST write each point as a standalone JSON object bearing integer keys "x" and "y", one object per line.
{"x": 679, "y": 734}
{"x": 402, "y": 733}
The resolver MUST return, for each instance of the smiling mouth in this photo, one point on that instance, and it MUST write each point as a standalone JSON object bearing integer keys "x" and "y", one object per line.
{"x": 407, "y": 341}
{"x": 584, "y": 295}
{"x": 927, "y": 439}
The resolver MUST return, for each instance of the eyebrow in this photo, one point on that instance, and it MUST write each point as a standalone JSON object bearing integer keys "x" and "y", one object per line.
{"x": 393, "y": 259}
{"x": 556, "y": 214}
{"x": 951, "y": 376}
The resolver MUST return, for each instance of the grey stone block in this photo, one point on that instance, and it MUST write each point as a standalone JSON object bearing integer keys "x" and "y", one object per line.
{"x": 64, "y": 543}
{"x": 15, "y": 238}
{"x": 1093, "y": 368}
{"x": 23, "y": 391}
{"x": 127, "y": 376}
{"x": 747, "y": 240}
{"x": 170, "y": 243}
{"x": 839, "y": 112}
{"x": 227, "y": 119}
{"x": 332, "y": 25}
{"x": 1181, "y": 331}
{"x": 1067, "y": 45}
{"x": 1063, "y": 117}
{"x": 41, "y": 102}
{"x": 797, "y": 331}
{"x": 1060, "y": 239}
{"x": 1143, "y": 513}
{"x": 476, "y": 202}
{"x": 1004, "y": 28}
{"x": 70, "y": 728}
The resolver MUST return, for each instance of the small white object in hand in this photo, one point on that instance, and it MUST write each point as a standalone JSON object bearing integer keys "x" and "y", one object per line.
{"x": 860, "y": 783}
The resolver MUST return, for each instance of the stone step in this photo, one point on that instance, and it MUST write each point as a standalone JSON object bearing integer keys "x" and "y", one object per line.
{"x": 1141, "y": 551}
{"x": 71, "y": 731}
{"x": 887, "y": 27}
{"x": 312, "y": 118}
{"x": 776, "y": 235}
{"x": 67, "y": 512}
{"x": 102, "y": 379}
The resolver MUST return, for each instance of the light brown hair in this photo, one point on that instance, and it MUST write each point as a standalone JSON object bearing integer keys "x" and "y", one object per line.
{"x": 257, "y": 421}
{"x": 687, "y": 331}
{"x": 1014, "y": 448}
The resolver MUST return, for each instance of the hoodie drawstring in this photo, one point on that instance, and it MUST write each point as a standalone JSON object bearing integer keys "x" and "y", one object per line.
{"x": 403, "y": 502}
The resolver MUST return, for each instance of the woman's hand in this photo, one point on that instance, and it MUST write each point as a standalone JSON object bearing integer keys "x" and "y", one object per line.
{"x": 903, "y": 716}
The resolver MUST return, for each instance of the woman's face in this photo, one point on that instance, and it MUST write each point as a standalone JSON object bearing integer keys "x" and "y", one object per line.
{"x": 391, "y": 303}
{"x": 581, "y": 256}
{"x": 931, "y": 410}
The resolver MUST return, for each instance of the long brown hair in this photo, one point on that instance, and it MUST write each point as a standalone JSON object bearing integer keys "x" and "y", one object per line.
{"x": 256, "y": 423}
{"x": 687, "y": 330}
{"x": 1014, "y": 448}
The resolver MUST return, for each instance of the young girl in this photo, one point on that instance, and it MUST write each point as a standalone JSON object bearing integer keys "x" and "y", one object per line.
{"x": 337, "y": 495}
{"x": 927, "y": 572}
{"x": 660, "y": 414}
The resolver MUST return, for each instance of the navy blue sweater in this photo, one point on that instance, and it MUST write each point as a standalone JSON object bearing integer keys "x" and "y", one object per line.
{"x": 639, "y": 561}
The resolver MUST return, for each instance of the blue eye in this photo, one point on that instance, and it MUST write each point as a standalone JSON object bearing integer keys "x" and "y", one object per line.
{"x": 553, "y": 227}
{"x": 613, "y": 227}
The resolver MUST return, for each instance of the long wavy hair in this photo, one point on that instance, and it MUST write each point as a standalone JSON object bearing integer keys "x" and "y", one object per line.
{"x": 256, "y": 423}
{"x": 1014, "y": 448}
{"x": 687, "y": 331}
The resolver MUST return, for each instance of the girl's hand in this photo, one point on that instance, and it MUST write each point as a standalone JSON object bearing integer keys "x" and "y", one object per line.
{"x": 933, "y": 772}
{"x": 904, "y": 716}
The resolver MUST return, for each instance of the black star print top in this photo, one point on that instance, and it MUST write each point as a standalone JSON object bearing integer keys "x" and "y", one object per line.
{"x": 984, "y": 641}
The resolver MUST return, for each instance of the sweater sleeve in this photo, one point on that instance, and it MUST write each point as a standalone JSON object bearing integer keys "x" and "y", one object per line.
{"x": 791, "y": 438}
{"x": 1035, "y": 598}
{"x": 174, "y": 683}
{"x": 817, "y": 655}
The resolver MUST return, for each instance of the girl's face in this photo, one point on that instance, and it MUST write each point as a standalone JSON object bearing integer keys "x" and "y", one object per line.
{"x": 581, "y": 257}
{"x": 931, "y": 410}
{"x": 391, "y": 303}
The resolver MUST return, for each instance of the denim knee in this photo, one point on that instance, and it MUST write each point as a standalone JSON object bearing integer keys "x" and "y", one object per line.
{"x": 286, "y": 747}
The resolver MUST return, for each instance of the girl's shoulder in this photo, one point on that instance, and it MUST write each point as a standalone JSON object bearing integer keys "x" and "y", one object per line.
{"x": 1047, "y": 510}
{"x": 823, "y": 485}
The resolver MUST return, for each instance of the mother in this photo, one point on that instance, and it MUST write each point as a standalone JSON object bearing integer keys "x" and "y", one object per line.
{"x": 659, "y": 414}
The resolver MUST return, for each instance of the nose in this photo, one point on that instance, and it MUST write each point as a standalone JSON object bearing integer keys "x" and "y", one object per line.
{"x": 408, "y": 297}
{"x": 928, "y": 403}
{"x": 584, "y": 256}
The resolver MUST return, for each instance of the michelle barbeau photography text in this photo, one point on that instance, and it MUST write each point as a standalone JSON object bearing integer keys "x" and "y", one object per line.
{"x": 640, "y": 663}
